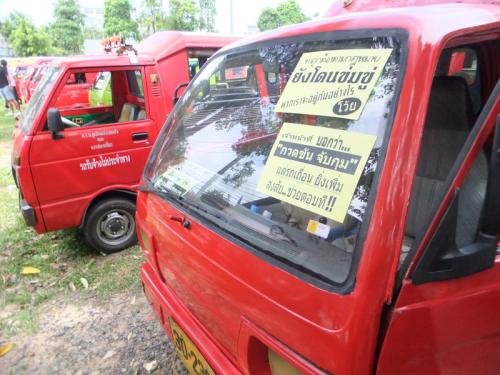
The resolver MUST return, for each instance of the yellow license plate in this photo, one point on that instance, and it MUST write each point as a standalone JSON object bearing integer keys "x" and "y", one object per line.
{"x": 189, "y": 354}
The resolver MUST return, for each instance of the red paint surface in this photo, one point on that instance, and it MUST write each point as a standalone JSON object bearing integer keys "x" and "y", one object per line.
{"x": 233, "y": 305}
{"x": 50, "y": 173}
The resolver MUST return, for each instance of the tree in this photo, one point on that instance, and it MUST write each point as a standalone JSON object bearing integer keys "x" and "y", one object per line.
{"x": 118, "y": 19}
{"x": 26, "y": 40}
{"x": 183, "y": 15}
{"x": 207, "y": 15}
{"x": 10, "y": 24}
{"x": 287, "y": 13}
{"x": 67, "y": 29}
{"x": 153, "y": 17}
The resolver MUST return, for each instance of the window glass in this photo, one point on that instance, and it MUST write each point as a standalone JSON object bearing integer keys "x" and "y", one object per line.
{"x": 38, "y": 75}
{"x": 463, "y": 63}
{"x": 196, "y": 60}
{"x": 39, "y": 96}
{"x": 262, "y": 147}
{"x": 100, "y": 91}
{"x": 90, "y": 98}
{"x": 134, "y": 79}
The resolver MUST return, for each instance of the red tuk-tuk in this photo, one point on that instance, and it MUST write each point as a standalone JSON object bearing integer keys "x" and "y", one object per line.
{"x": 325, "y": 198}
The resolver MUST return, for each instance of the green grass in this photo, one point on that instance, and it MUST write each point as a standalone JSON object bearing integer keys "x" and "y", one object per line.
{"x": 7, "y": 124}
{"x": 62, "y": 258}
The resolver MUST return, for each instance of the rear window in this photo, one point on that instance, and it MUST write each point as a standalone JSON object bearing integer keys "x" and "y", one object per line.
{"x": 463, "y": 63}
{"x": 277, "y": 146}
{"x": 134, "y": 79}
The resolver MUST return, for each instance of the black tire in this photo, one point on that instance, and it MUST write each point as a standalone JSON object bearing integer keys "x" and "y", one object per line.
{"x": 110, "y": 225}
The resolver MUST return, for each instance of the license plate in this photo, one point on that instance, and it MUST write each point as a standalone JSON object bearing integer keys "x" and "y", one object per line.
{"x": 189, "y": 354}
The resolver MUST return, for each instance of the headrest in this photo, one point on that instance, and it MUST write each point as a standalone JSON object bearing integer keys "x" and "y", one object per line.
{"x": 450, "y": 105}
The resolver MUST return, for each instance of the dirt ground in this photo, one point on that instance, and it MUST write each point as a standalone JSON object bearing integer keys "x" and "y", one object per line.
{"x": 55, "y": 327}
{"x": 86, "y": 334}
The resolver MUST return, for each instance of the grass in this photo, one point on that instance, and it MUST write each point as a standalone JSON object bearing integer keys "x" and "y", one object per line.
{"x": 62, "y": 258}
{"x": 6, "y": 125}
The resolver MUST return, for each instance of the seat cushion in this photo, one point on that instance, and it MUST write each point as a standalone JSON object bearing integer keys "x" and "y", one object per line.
{"x": 128, "y": 113}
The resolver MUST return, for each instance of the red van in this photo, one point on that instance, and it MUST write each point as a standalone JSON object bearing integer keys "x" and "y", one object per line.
{"x": 325, "y": 198}
{"x": 78, "y": 156}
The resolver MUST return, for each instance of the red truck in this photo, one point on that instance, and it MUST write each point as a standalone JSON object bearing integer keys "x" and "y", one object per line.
{"x": 324, "y": 199}
{"x": 79, "y": 164}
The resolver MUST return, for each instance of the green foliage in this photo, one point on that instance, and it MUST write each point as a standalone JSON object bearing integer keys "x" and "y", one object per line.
{"x": 67, "y": 29}
{"x": 10, "y": 24}
{"x": 62, "y": 258}
{"x": 152, "y": 17}
{"x": 287, "y": 13}
{"x": 27, "y": 40}
{"x": 207, "y": 15}
{"x": 183, "y": 15}
{"x": 118, "y": 19}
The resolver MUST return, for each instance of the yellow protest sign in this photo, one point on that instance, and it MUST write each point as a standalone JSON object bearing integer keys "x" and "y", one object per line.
{"x": 335, "y": 83}
{"x": 316, "y": 168}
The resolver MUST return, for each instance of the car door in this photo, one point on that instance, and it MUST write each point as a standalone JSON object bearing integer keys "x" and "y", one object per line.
{"x": 445, "y": 318}
{"x": 104, "y": 147}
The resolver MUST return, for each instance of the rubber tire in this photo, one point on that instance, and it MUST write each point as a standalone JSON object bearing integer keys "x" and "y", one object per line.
{"x": 90, "y": 227}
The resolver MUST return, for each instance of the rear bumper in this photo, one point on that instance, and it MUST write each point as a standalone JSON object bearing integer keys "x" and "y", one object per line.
{"x": 165, "y": 304}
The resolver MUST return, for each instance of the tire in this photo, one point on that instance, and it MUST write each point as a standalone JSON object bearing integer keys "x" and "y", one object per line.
{"x": 110, "y": 225}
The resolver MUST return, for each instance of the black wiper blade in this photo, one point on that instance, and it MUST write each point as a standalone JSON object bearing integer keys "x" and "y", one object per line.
{"x": 163, "y": 193}
{"x": 278, "y": 233}
{"x": 205, "y": 209}
{"x": 183, "y": 201}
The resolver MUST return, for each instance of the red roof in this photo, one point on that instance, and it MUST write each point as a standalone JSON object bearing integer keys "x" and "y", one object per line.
{"x": 430, "y": 22}
{"x": 165, "y": 43}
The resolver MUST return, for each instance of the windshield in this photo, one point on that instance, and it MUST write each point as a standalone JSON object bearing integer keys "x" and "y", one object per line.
{"x": 278, "y": 146}
{"x": 38, "y": 98}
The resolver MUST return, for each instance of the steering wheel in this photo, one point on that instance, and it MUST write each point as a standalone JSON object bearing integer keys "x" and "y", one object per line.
{"x": 69, "y": 123}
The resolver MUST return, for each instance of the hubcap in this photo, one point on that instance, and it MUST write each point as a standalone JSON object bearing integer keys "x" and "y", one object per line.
{"x": 115, "y": 227}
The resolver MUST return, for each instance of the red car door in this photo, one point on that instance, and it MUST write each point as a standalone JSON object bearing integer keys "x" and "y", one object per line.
{"x": 446, "y": 317}
{"x": 105, "y": 150}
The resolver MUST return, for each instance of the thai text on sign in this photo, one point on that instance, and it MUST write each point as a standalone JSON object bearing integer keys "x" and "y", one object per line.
{"x": 334, "y": 83}
{"x": 316, "y": 168}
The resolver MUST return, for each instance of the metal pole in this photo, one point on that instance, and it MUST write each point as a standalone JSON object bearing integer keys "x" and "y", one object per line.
{"x": 231, "y": 26}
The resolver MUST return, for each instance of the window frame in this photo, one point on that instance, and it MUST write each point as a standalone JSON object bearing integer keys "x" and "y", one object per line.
{"x": 64, "y": 75}
{"x": 455, "y": 179}
{"x": 347, "y": 285}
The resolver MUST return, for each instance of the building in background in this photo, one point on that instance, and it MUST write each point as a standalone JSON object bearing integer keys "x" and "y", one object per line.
{"x": 5, "y": 49}
{"x": 94, "y": 20}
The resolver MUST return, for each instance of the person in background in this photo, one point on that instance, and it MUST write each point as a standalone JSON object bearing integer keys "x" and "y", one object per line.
{"x": 12, "y": 84}
{"x": 6, "y": 90}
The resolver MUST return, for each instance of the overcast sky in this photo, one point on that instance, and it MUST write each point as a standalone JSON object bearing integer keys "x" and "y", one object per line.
{"x": 245, "y": 12}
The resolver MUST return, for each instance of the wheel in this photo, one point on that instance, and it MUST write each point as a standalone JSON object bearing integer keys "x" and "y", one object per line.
{"x": 110, "y": 225}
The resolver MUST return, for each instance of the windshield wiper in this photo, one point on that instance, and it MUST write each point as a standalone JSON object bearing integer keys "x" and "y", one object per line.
{"x": 202, "y": 210}
{"x": 278, "y": 233}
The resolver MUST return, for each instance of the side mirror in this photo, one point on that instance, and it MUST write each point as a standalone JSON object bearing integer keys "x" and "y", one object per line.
{"x": 54, "y": 122}
{"x": 176, "y": 92}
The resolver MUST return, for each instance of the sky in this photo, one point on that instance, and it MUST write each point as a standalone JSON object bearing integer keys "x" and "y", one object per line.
{"x": 245, "y": 12}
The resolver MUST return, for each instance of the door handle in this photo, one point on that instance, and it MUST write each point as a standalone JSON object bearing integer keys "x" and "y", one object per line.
{"x": 139, "y": 136}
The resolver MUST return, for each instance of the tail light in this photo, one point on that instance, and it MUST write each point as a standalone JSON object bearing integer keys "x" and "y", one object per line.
{"x": 280, "y": 366}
